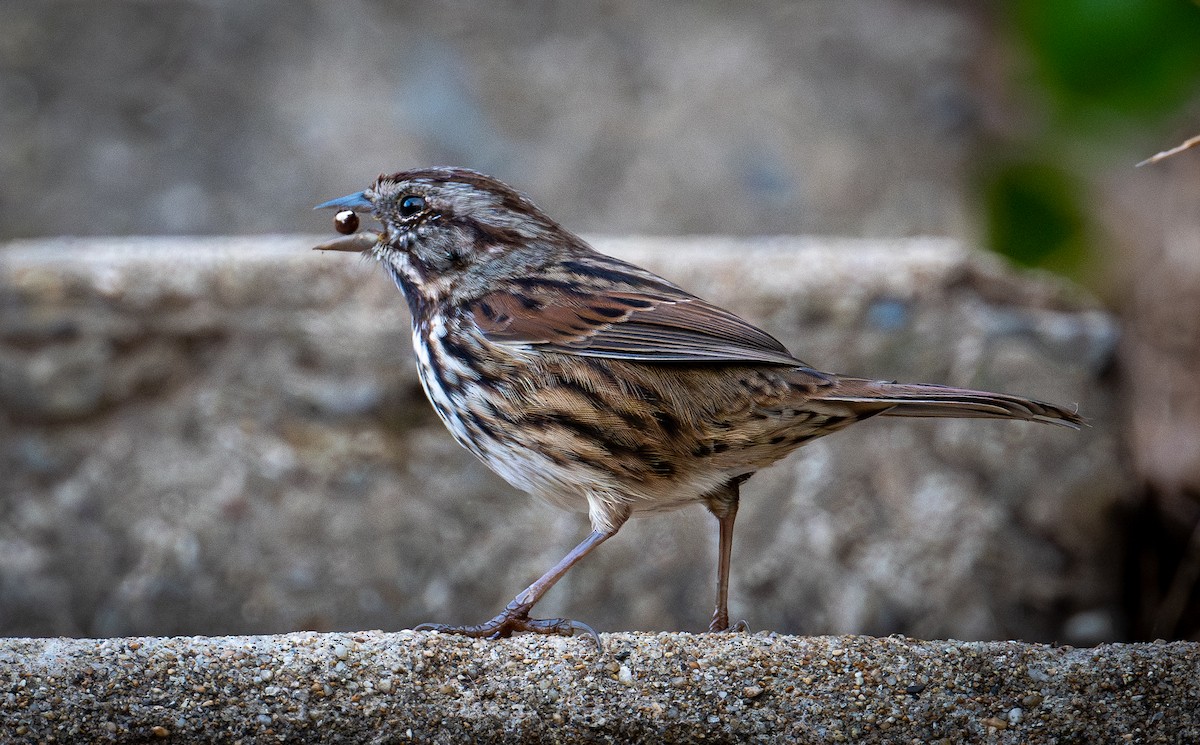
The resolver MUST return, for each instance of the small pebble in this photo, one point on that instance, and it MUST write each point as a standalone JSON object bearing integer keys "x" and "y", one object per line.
{"x": 625, "y": 676}
{"x": 384, "y": 686}
{"x": 160, "y": 731}
{"x": 996, "y": 722}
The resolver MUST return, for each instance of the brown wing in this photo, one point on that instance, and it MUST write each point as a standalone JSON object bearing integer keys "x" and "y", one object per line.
{"x": 654, "y": 322}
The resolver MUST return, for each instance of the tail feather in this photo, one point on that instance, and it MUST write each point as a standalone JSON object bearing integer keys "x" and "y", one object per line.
{"x": 920, "y": 400}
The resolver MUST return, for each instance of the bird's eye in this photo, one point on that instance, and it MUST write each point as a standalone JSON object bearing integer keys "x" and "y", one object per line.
{"x": 411, "y": 205}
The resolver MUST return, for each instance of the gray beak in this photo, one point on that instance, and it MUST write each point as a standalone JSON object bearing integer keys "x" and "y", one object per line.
{"x": 356, "y": 243}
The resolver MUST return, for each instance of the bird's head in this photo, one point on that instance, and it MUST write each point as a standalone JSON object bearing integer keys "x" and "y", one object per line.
{"x": 449, "y": 231}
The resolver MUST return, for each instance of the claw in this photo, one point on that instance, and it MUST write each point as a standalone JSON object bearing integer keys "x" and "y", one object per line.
{"x": 581, "y": 626}
{"x": 721, "y": 626}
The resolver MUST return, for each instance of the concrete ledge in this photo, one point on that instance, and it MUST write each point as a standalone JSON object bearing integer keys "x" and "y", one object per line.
{"x": 406, "y": 686}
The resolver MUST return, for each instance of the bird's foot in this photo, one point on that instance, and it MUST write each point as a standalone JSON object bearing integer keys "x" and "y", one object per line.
{"x": 720, "y": 625}
{"x": 514, "y": 618}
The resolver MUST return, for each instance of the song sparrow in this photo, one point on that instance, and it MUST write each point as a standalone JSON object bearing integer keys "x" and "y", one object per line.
{"x": 591, "y": 382}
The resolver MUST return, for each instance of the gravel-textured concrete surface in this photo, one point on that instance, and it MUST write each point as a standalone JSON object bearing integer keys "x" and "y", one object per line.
{"x": 406, "y": 686}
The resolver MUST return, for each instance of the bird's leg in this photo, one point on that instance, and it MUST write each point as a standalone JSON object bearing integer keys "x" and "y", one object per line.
{"x": 515, "y": 616}
{"x": 724, "y": 505}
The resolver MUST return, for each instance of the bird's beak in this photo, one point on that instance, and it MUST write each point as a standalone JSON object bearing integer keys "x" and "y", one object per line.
{"x": 356, "y": 202}
{"x": 356, "y": 242}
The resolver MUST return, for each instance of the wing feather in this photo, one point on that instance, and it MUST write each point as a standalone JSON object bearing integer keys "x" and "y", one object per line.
{"x": 651, "y": 321}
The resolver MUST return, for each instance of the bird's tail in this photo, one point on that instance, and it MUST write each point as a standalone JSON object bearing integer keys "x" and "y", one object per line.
{"x": 911, "y": 399}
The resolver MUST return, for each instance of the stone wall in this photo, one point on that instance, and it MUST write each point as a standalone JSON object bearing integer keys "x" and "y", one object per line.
{"x": 667, "y": 118}
{"x": 226, "y": 435}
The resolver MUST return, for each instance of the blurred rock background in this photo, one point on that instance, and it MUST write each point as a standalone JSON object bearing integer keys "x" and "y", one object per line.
{"x": 1012, "y": 126}
{"x": 227, "y": 434}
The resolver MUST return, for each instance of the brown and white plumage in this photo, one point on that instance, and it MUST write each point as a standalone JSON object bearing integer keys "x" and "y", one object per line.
{"x": 594, "y": 383}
